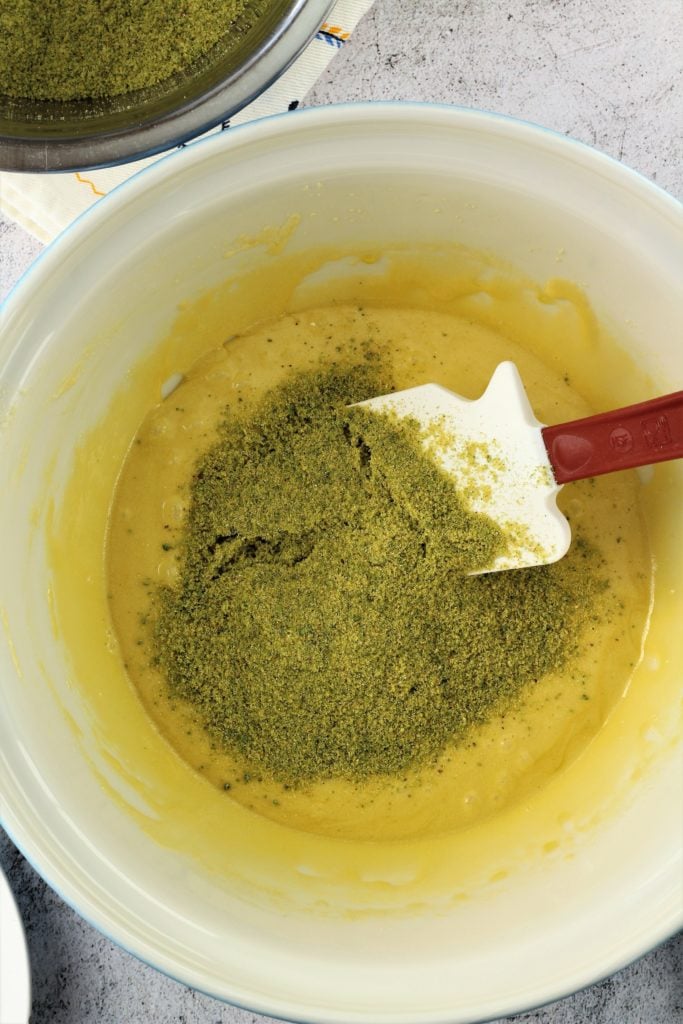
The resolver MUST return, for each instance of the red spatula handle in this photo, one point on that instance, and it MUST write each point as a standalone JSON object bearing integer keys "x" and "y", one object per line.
{"x": 634, "y": 436}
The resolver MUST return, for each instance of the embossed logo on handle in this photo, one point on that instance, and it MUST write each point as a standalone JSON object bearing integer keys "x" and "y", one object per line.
{"x": 636, "y": 435}
{"x": 621, "y": 439}
{"x": 657, "y": 432}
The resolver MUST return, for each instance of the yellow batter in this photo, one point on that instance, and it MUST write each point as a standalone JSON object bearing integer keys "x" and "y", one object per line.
{"x": 512, "y": 755}
{"x": 550, "y": 777}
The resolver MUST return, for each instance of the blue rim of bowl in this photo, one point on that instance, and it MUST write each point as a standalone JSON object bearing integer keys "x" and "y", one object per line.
{"x": 186, "y": 152}
{"x": 161, "y": 167}
{"x": 224, "y": 1001}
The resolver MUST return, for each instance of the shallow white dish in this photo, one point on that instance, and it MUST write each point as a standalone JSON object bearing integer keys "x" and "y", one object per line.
{"x": 15, "y": 973}
{"x": 366, "y": 173}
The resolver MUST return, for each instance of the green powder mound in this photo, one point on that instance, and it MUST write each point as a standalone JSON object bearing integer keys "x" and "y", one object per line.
{"x": 73, "y": 49}
{"x": 323, "y": 625}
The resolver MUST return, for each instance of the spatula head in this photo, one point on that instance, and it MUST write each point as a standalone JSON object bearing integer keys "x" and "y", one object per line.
{"x": 494, "y": 451}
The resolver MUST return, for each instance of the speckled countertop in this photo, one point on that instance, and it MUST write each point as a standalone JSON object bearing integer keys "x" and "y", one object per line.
{"x": 608, "y": 72}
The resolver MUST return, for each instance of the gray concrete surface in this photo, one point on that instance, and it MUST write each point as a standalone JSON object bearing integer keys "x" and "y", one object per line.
{"x": 607, "y": 72}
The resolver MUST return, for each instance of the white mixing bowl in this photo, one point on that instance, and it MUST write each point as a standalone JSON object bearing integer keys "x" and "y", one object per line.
{"x": 99, "y": 299}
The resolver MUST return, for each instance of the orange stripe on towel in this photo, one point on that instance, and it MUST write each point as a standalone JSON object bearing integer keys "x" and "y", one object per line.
{"x": 87, "y": 181}
{"x": 335, "y": 30}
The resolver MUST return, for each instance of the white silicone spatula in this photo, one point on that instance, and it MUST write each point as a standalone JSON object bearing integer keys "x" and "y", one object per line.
{"x": 511, "y": 467}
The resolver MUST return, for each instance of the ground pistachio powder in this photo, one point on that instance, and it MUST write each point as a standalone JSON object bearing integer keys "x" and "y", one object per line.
{"x": 77, "y": 49}
{"x": 324, "y": 625}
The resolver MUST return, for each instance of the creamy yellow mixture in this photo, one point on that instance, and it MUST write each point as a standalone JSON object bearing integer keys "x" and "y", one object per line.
{"x": 512, "y": 755}
{"x": 551, "y": 776}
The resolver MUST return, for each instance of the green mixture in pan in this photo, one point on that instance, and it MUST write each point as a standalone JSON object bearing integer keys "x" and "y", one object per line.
{"x": 76, "y": 49}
